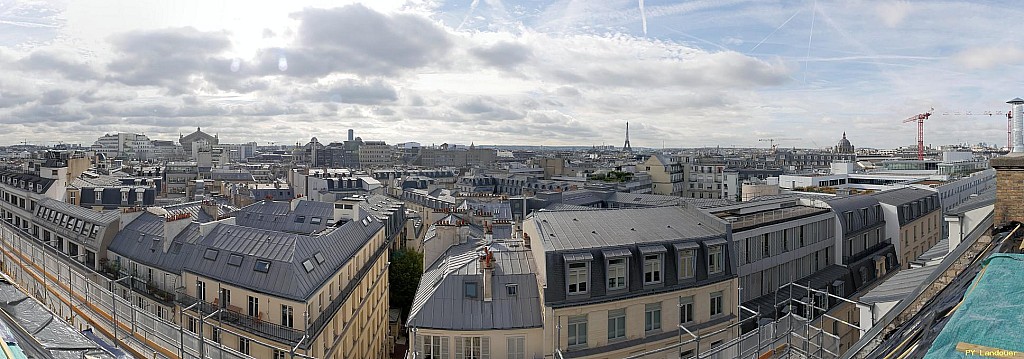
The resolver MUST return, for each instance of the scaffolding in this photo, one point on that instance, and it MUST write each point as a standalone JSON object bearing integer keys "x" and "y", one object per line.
{"x": 798, "y": 333}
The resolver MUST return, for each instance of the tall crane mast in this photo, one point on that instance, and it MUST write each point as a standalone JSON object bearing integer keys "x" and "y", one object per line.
{"x": 920, "y": 131}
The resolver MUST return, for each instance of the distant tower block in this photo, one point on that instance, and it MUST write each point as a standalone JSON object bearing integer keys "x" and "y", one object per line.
{"x": 626, "y": 147}
{"x": 1017, "y": 110}
{"x": 351, "y": 134}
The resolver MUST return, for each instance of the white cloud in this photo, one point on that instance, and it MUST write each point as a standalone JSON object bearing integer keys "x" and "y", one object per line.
{"x": 988, "y": 57}
{"x": 892, "y": 13}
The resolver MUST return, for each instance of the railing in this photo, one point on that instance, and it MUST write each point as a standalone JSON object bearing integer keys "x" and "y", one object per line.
{"x": 266, "y": 329}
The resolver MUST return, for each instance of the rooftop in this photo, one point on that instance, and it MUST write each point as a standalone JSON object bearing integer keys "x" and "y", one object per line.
{"x": 567, "y": 230}
{"x": 441, "y": 302}
{"x": 899, "y": 286}
{"x": 903, "y": 195}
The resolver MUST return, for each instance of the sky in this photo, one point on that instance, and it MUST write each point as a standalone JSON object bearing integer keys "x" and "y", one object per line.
{"x": 682, "y": 73}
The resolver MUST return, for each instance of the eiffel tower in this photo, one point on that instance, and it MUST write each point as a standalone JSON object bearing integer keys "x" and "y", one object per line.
{"x": 625, "y": 147}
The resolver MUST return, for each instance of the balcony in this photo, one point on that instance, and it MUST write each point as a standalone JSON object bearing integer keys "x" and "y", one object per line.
{"x": 231, "y": 315}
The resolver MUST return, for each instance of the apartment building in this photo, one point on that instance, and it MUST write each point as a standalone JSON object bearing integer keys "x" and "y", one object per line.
{"x": 374, "y": 154}
{"x": 913, "y": 217}
{"x": 620, "y": 282}
{"x": 125, "y": 145}
{"x": 667, "y": 177}
{"x": 778, "y": 242}
{"x": 280, "y": 278}
{"x": 705, "y": 179}
{"x": 478, "y": 303}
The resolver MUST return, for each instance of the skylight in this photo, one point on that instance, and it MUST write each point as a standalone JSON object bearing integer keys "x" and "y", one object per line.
{"x": 235, "y": 259}
{"x": 308, "y": 265}
{"x": 262, "y": 266}
{"x": 319, "y": 258}
{"x": 211, "y": 254}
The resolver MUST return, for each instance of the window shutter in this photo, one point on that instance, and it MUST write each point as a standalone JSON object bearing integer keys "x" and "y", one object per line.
{"x": 485, "y": 348}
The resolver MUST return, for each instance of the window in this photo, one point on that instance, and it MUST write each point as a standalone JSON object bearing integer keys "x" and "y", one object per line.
{"x": 315, "y": 220}
{"x": 577, "y": 278}
{"x": 577, "y": 330}
{"x": 511, "y": 289}
{"x": 435, "y": 347}
{"x": 210, "y": 254}
{"x": 516, "y": 347}
{"x": 243, "y": 345}
{"x": 262, "y": 266}
{"x": 201, "y": 290}
{"x": 616, "y": 324}
{"x": 254, "y": 306}
{"x": 472, "y": 347}
{"x": 685, "y": 309}
{"x": 652, "y": 269}
{"x": 652, "y": 317}
{"x": 319, "y": 257}
{"x": 686, "y": 354}
{"x": 280, "y": 354}
{"x": 715, "y": 260}
{"x": 215, "y": 334}
{"x": 716, "y": 303}
{"x": 300, "y": 219}
{"x": 308, "y": 265}
{"x": 470, "y": 289}
{"x": 225, "y": 297}
{"x": 193, "y": 325}
{"x": 235, "y": 259}
{"x": 686, "y": 263}
{"x": 287, "y": 315}
{"x": 616, "y": 274}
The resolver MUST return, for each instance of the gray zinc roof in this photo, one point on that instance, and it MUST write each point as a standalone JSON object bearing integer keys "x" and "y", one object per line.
{"x": 899, "y": 286}
{"x": 986, "y": 198}
{"x": 287, "y": 254}
{"x": 441, "y": 302}
{"x": 278, "y": 216}
{"x": 105, "y": 217}
{"x": 142, "y": 241}
{"x": 900, "y": 196}
{"x": 566, "y": 230}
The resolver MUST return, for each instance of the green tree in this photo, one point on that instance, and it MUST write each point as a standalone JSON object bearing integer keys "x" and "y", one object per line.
{"x": 404, "y": 277}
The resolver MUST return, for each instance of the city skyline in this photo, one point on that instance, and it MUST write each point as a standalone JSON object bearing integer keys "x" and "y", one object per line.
{"x": 689, "y": 74}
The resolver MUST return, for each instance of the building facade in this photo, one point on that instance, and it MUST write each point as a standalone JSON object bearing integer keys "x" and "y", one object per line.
{"x": 620, "y": 282}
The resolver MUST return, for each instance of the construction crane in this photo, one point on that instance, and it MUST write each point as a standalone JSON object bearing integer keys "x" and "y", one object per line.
{"x": 1009, "y": 122}
{"x": 920, "y": 131}
{"x": 771, "y": 141}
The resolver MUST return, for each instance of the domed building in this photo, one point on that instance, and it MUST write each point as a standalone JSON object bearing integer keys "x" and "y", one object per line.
{"x": 844, "y": 146}
{"x": 198, "y": 136}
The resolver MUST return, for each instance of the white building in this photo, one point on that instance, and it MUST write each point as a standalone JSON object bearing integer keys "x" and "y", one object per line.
{"x": 126, "y": 145}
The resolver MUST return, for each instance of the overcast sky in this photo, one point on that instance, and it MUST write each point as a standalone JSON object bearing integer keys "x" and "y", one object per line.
{"x": 683, "y": 73}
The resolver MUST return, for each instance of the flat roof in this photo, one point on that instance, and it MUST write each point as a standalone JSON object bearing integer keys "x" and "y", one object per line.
{"x": 567, "y": 230}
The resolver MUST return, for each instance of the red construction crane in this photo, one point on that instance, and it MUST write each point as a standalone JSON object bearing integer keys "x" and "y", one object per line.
{"x": 920, "y": 131}
{"x": 1009, "y": 122}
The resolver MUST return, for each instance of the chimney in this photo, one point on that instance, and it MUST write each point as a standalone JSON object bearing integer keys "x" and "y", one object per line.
{"x": 1009, "y": 192}
{"x": 211, "y": 209}
{"x": 488, "y": 270}
{"x": 526, "y": 240}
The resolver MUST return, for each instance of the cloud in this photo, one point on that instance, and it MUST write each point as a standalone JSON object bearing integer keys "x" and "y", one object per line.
{"x": 47, "y": 61}
{"x": 892, "y": 13}
{"x": 371, "y": 92}
{"x": 988, "y": 57}
{"x": 167, "y": 58}
{"x": 503, "y": 55}
{"x": 356, "y": 39}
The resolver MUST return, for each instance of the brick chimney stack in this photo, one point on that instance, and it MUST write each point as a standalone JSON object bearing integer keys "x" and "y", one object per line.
{"x": 1009, "y": 188}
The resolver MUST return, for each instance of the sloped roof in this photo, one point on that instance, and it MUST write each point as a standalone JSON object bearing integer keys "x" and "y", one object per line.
{"x": 278, "y": 216}
{"x": 142, "y": 241}
{"x": 286, "y": 253}
{"x": 441, "y": 301}
{"x": 899, "y": 286}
